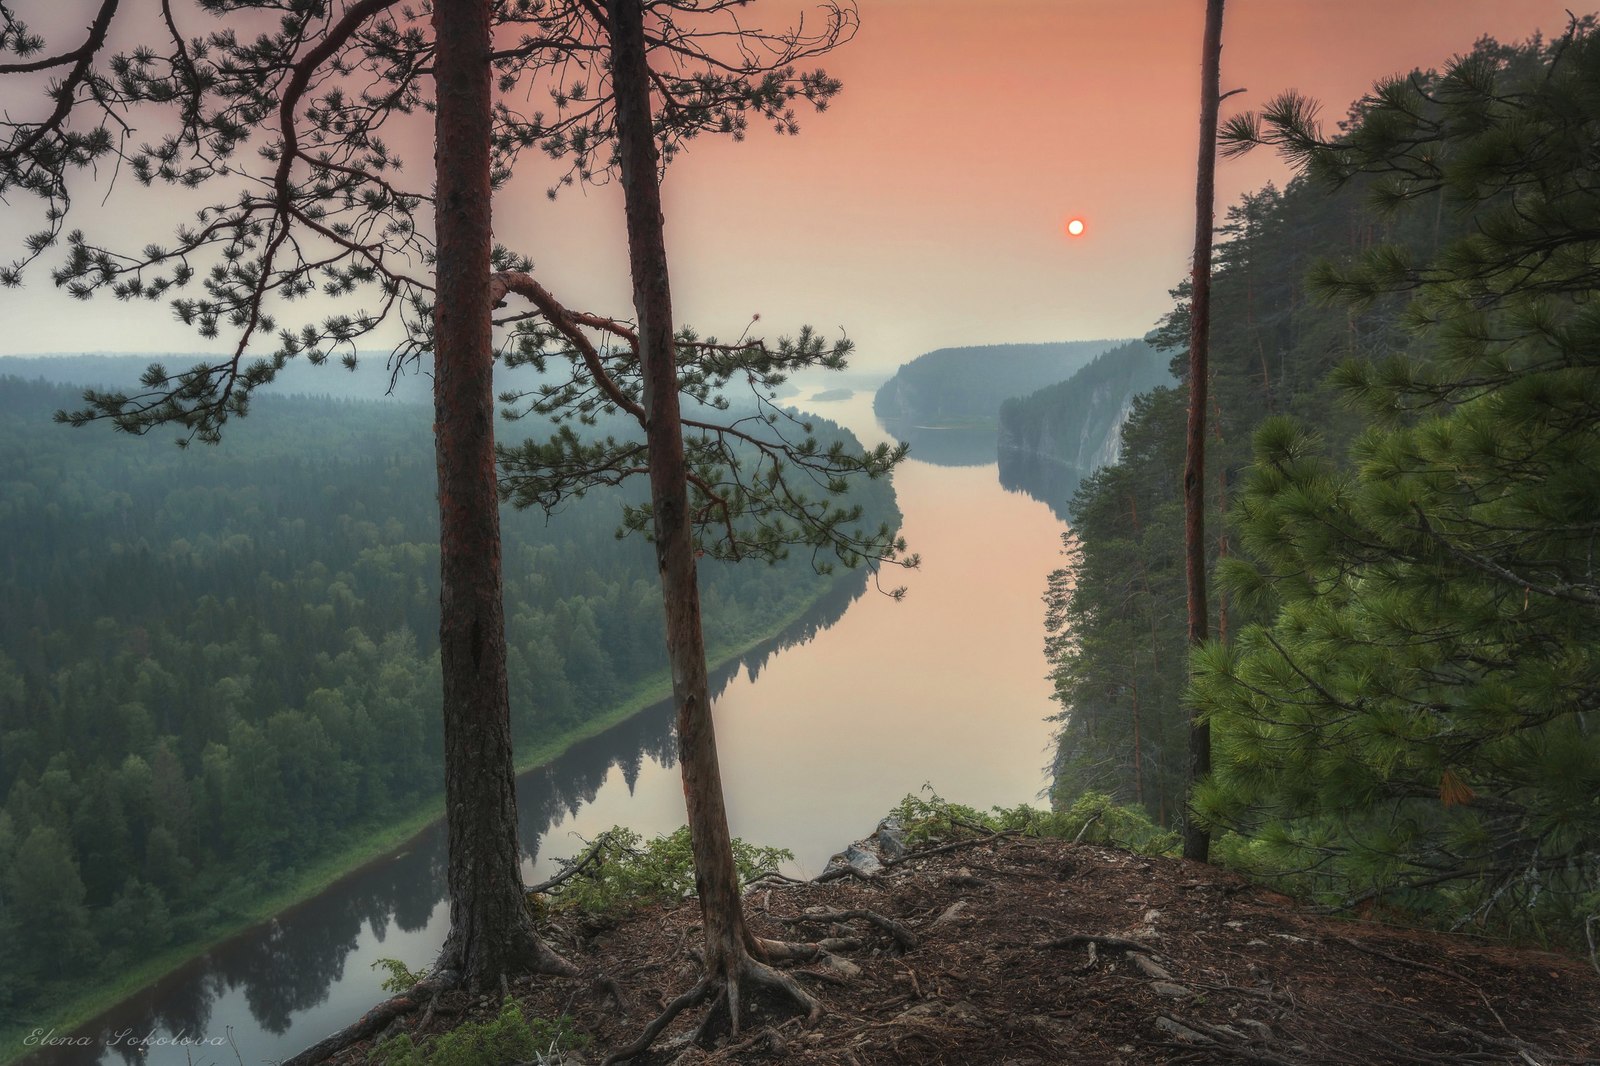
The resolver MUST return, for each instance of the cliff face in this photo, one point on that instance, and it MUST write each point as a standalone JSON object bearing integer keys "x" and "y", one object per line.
{"x": 1078, "y": 423}
{"x": 967, "y": 385}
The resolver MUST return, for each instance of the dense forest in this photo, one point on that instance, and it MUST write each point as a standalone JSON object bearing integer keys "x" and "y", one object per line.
{"x": 1405, "y": 428}
{"x": 219, "y": 665}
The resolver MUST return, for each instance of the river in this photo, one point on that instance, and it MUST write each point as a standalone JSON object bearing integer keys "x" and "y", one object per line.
{"x": 820, "y": 732}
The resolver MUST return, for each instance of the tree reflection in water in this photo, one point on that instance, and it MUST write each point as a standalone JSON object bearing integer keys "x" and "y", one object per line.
{"x": 1049, "y": 482}
{"x": 296, "y": 962}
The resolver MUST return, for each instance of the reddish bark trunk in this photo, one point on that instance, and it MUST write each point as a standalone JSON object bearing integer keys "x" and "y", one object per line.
{"x": 1196, "y": 838}
{"x": 491, "y": 932}
{"x": 716, "y": 878}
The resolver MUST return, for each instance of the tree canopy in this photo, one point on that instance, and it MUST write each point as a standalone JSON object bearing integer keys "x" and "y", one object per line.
{"x": 1417, "y": 700}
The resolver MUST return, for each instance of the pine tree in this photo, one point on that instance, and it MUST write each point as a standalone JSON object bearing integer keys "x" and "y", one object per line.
{"x": 315, "y": 94}
{"x": 1197, "y": 835}
{"x": 1419, "y": 709}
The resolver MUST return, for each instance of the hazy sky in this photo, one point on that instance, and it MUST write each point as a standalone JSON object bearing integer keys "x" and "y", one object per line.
{"x": 925, "y": 208}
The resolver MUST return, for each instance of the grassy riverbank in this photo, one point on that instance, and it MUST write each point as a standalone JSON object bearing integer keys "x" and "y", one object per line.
{"x": 366, "y": 844}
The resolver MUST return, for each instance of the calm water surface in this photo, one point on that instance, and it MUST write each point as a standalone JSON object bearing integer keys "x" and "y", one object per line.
{"x": 820, "y": 733}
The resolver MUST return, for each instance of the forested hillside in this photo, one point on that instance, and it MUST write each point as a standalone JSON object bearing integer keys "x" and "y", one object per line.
{"x": 370, "y": 378}
{"x": 952, "y": 386}
{"x": 1060, "y": 434}
{"x": 1401, "y": 478}
{"x": 218, "y": 665}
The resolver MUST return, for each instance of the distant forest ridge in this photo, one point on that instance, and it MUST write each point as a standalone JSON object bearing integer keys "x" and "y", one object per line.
{"x": 952, "y": 386}
{"x": 370, "y": 380}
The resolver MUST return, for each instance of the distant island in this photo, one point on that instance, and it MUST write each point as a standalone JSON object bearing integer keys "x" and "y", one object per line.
{"x": 833, "y": 395}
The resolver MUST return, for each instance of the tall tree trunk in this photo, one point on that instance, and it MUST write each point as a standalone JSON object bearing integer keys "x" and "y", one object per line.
{"x": 1197, "y": 838}
{"x": 716, "y": 877}
{"x": 491, "y": 932}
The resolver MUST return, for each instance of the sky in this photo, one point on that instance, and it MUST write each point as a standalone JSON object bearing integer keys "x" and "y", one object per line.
{"x": 925, "y": 208}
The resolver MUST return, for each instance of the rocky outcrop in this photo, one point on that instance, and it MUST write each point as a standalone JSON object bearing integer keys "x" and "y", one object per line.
{"x": 1078, "y": 422}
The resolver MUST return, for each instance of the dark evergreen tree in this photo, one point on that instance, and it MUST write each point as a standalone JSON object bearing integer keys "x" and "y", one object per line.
{"x": 1416, "y": 708}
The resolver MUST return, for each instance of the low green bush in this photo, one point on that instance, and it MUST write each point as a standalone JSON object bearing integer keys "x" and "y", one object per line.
{"x": 509, "y": 1037}
{"x": 629, "y": 872}
{"x": 1092, "y": 818}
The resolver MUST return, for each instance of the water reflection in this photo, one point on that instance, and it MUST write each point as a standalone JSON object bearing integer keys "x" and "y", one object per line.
{"x": 309, "y": 968}
{"x": 946, "y": 445}
{"x": 947, "y": 687}
{"x": 1049, "y": 482}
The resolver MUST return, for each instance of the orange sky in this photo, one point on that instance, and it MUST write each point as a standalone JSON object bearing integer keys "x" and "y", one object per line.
{"x": 925, "y": 207}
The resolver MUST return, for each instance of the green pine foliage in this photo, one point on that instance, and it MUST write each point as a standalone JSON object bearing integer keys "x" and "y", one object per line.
{"x": 1114, "y": 611}
{"x": 1415, "y": 708}
{"x": 1092, "y": 818}
{"x": 1403, "y": 508}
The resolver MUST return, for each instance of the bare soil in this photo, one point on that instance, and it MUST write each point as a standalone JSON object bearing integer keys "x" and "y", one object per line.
{"x": 1031, "y": 952}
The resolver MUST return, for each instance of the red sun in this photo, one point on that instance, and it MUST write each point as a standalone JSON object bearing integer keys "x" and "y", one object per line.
{"x": 1075, "y": 228}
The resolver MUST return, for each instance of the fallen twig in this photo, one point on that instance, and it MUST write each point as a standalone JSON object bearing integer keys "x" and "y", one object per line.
{"x": 572, "y": 869}
{"x": 1216, "y": 1036}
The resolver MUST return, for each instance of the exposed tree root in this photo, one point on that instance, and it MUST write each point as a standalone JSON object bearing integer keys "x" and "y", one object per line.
{"x": 905, "y": 938}
{"x": 727, "y": 999}
{"x": 691, "y": 998}
{"x": 1191, "y": 1032}
{"x": 1109, "y": 943}
{"x": 420, "y": 995}
{"x": 538, "y": 958}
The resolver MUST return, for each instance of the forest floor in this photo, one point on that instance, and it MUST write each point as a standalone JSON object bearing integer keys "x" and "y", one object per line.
{"x": 1039, "y": 951}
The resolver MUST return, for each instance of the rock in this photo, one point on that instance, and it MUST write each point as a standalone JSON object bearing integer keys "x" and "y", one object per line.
{"x": 951, "y": 913}
{"x": 963, "y": 878}
{"x": 858, "y": 859}
{"x": 1150, "y": 968}
{"x": 1172, "y": 991}
{"x": 891, "y": 840}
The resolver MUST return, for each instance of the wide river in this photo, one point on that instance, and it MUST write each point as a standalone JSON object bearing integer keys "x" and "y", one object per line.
{"x": 820, "y": 733}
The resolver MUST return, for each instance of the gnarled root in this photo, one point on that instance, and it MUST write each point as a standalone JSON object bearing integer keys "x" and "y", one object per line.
{"x": 727, "y": 996}
{"x": 904, "y": 938}
{"x": 694, "y": 996}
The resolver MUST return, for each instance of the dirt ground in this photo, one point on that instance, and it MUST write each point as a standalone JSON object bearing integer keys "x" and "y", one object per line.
{"x": 1030, "y": 952}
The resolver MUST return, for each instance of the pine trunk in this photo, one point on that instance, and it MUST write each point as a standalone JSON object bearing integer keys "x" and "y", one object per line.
{"x": 491, "y": 933}
{"x": 1197, "y": 838}
{"x": 716, "y": 878}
